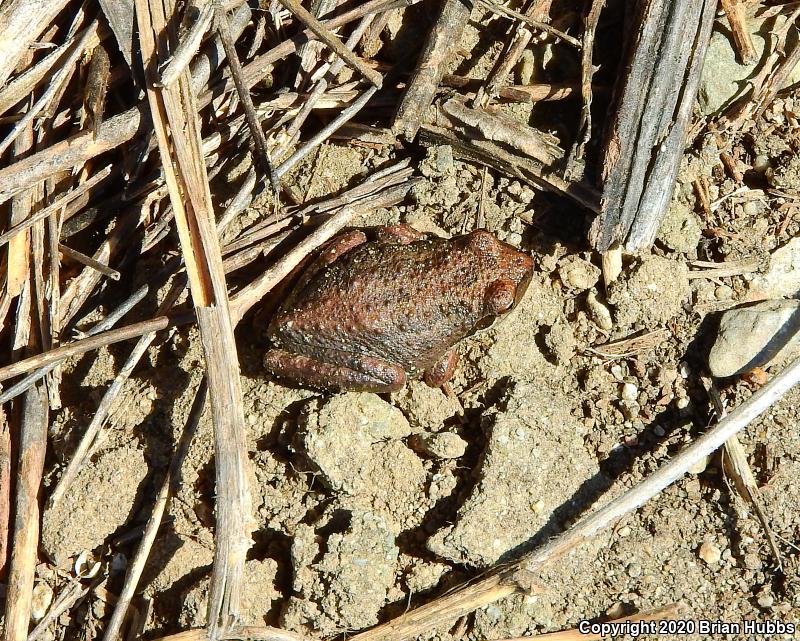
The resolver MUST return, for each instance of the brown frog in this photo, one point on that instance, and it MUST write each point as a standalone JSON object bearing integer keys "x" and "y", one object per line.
{"x": 368, "y": 315}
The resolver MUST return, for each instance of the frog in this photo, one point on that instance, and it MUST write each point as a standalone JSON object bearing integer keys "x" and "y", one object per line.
{"x": 369, "y": 315}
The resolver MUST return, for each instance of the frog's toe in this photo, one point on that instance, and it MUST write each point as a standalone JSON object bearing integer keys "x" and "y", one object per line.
{"x": 442, "y": 370}
{"x": 373, "y": 375}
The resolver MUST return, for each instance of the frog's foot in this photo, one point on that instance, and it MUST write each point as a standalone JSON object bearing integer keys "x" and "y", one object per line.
{"x": 366, "y": 374}
{"x": 400, "y": 234}
{"x": 442, "y": 370}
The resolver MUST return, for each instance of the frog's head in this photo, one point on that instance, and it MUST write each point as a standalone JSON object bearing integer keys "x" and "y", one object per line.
{"x": 509, "y": 272}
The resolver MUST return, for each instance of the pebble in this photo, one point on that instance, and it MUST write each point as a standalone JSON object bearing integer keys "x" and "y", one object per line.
{"x": 723, "y": 292}
{"x": 41, "y": 599}
{"x": 443, "y": 445}
{"x": 598, "y": 312}
{"x": 700, "y": 466}
{"x": 578, "y": 273}
{"x": 755, "y": 337}
{"x": 624, "y": 531}
{"x": 629, "y": 392}
{"x": 710, "y": 553}
{"x": 634, "y": 570}
{"x": 766, "y": 600}
{"x": 752, "y": 561}
{"x": 659, "y": 431}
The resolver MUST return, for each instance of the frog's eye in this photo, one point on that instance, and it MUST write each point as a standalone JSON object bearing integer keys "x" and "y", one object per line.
{"x": 500, "y": 296}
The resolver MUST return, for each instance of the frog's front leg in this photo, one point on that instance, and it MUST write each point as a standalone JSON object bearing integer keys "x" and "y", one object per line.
{"x": 362, "y": 373}
{"x": 442, "y": 370}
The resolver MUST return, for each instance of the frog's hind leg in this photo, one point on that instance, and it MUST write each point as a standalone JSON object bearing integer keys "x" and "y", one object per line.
{"x": 442, "y": 370}
{"x": 366, "y": 374}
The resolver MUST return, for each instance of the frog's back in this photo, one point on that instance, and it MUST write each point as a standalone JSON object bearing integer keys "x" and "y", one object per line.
{"x": 404, "y": 303}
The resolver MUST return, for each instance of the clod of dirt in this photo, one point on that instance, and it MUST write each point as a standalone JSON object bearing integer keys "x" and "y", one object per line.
{"x": 354, "y": 442}
{"x": 724, "y": 78}
{"x": 532, "y": 476}
{"x": 425, "y": 407}
{"x": 560, "y": 340}
{"x": 258, "y": 594}
{"x": 577, "y": 273}
{"x": 651, "y": 293}
{"x": 343, "y": 585}
{"x": 444, "y": 445}
{"x": 782, "y": 277}
{"x": 100, "y": 499}
{"x": 680, "y": 229}
{"x": 755, "y": 337}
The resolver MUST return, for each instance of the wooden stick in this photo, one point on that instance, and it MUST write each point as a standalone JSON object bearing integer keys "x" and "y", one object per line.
{"x": 511, "y": 164}
{"x": 188, "y": 46}
{"x": 168, "y": 486}
{"x": 320, "y": 87}
{"x": 734, "y": 11}
{"x": 536, "y": 24}
{"x": 5, "y": 488}
{"x": 30, "y": 465}
{"x": 174, "y": 109}
{"x": 90, "y": 262}
{"x": 647, "y": 133}
{"x": 94, "y": 342}
{"x": 253, "y": 633}
{"x": 464, "y": 599}
{"x": 587, "y": 73}
{"x": 320, "y": 30}
{"x": 56, "y": 83}
{"x": 262, "y": 155}
{"x": 513, "y": 50}
{"x": 439, "y": 46}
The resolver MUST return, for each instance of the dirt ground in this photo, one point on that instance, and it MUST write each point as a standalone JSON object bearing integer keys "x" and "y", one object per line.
{"x": 367, "y": 504}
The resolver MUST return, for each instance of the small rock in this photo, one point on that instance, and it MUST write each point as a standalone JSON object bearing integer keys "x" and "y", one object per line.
{"x": 41, "y": 599}
{"x": 629, "y": 392}
{"x": 680, "y": 229}
{"x": 598, "y": 312}
{"x": 782, "y": 278}
{"x": 752, "y": 561}
{"x": 723, "y": 292}
{"x": 444, "y": 445}
{"x": 710, "y": 553}
{"x": 699, "y": 467}
{"x": 755, "y": 337}
{"x": 765, "y": 600}
{"x": 634, "y": 570}
{"x": 578, "y": 273}
{"x": 624, "y": 531}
